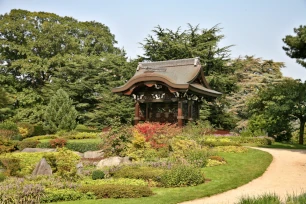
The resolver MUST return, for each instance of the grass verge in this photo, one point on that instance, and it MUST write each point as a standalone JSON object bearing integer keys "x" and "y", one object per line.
{"x": 240, "y": 169}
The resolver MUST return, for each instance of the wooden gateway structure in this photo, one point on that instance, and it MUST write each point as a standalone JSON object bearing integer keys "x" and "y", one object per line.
{"x": 168, "y": 91}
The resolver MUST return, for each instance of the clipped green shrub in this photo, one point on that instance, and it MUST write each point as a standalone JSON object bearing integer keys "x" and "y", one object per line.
{"x": 27, "y": 144}
{"x": 41, "y": 137}
{"x": 117, "y": 191}
{"x": 44, "y": 144}
{"x": 212, "y": 162}
{"x": 120, "y": 181}
{"x": 82, "y": 135}
{"x": 2, "y": 176}
{"x": 57, "y": 195}
{"x": 84, "y": 128}
{"x": 213, "y": 141}
{"x": 83, "y": 145}
{"x": 231, "y": 149}
{"x": 182, "y": 176}
{"x": 97, "y": 174}
{"x": 139, "y": 172}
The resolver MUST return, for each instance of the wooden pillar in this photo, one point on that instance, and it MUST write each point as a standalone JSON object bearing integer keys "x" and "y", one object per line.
{"x": 147, "y": 111}
{"x": 180, "y": 116}
{"x": 190, "y": 110}
{"x": 136, "y": 118}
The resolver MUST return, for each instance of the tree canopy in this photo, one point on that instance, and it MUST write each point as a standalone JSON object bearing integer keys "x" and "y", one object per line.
{"x": 44, "y": 52}
{"x": 296, "y": 45}
{"x": 278, "y": 104}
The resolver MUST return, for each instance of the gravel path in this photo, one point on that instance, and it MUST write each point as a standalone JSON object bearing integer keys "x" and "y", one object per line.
{"x": 285, "y": 175}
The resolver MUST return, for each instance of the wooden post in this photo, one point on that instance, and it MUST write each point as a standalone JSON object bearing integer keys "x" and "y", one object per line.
{"x": 147, "y": 111}
{"x": 190, "y": 110}
{"x": 180, "y": 116}
{"x": 136, "y": 118}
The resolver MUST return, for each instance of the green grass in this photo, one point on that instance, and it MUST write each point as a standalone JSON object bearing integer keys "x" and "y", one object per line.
{"x": 240, "y": 169}
{"x": 280, "y": 145}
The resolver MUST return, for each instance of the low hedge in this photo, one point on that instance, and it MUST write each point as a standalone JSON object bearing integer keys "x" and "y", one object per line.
{"x": 83, "y": 145}
{"x": 56, "y": 195}
{"x": 214, "y": 141}
{"x": 27, "y": 144}
{"x": 139, "y": 172}
{"x": 76, "y": 145}
{"x": 117, "y": 191}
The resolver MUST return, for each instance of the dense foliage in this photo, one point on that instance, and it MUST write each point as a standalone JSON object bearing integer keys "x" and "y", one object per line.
{"x": 43, "y": 52}
{"x": 277, "y": 105}
{"x": 296, "y": 45}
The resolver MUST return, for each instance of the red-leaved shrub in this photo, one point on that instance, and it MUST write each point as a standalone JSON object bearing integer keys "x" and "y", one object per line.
{"x": 157, "y": 134}
{"x": 58, "y": 142}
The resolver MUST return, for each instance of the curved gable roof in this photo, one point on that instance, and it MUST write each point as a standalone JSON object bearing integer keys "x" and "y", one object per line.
{"x": 175, "y": 73}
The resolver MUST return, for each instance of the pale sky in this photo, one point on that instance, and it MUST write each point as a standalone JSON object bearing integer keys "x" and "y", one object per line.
{"x": 255, "y": 27}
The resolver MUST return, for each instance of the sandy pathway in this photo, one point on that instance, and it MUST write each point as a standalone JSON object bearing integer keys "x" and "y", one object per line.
{"x": 286, "y": 175}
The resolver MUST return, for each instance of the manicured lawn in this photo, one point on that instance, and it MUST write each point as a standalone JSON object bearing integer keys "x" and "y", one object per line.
{"x": 284, "y": 146}
{"x": 240, "y": 169}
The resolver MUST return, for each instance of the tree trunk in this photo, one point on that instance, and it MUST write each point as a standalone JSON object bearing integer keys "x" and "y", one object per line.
{"x": 301, "y": 136}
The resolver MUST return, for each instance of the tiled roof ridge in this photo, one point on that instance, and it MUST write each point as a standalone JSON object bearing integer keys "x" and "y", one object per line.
{"x": 169, "y": 63}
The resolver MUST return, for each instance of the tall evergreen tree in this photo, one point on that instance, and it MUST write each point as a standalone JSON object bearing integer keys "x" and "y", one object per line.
{"x": 60, "y": 114}
{"x": 166, "y": 44}
{"x": 296, "y": 45}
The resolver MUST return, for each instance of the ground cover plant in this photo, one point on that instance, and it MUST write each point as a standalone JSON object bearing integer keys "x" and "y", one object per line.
{"x": 222, "y": 178}
{"x": 271, "y": 198}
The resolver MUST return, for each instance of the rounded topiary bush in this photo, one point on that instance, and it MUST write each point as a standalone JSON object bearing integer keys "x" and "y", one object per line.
{"x": 97, "y": 174}
{"x": 182, "y": 176}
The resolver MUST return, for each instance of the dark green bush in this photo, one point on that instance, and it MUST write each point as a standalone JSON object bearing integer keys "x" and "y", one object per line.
{"x": 56, "y": 195}
{"x": 139, "y": 172}
{"x": 82, "y": 135}
{"x": 2, "y": 177}
{"x": 84, "y": 128}
{"x": 97, "y": 174}
{"x": 27, "y": 144}
{"x": 38, "y": 130}
{"x": 182, "y": 176}
{"x": 117, "y": 191}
